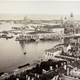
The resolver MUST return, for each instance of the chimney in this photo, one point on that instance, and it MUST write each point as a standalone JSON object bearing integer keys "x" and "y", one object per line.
{"x": 67, "y": 71}
{"x": 35, "y": 74}
{"x": 14, "y": 73}
{"x": 60, "y": 79}
{"x": 32, "y": 79}
{"x": 56, "y": 66}
{"x": 17, "y": 78}
{"x": 38, "y": 76}
{"x": 55, "y": 70}
{"x": 26, "y": 76}
{"x": 29, "y": 78}
{"x": 64, "y": 67}
{"x": 62, "y": 64}
{"x": 50, "y": 68}
{"x": 43, "y": 71}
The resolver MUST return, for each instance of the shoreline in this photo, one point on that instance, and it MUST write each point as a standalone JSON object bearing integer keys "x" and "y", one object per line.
{"x": 17, "y": 71}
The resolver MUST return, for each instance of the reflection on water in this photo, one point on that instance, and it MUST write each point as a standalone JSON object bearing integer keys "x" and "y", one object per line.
{"x": 22, "y": 43}
{"x": 12, "y": 52}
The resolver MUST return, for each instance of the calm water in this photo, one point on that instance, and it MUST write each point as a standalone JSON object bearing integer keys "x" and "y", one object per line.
{"x": 12, "y": 52}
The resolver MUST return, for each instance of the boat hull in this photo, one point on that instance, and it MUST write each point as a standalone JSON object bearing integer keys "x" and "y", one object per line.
{"x": 6, "y": 36}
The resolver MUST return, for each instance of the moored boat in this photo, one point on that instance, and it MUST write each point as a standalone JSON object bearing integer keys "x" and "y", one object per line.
{"x": 25, "y": 53}
{"x": 50, "y": 38}
{"x": 23, "y": 38}
{"x": 19, "y": 67}
{"x": 27, "y": 37}
{"x": 35, "y": 38}
{"x": 6, "y": 35}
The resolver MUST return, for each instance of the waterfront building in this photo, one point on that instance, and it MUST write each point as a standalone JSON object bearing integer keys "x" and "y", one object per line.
{"x": 53, "y": 28}
{"x": 51, "y": 53}
{"x": 64, "y": 52}
{"x": 71, "y": 25}
{"x": 43, "y": 35}
{"x": 70, "y": 22}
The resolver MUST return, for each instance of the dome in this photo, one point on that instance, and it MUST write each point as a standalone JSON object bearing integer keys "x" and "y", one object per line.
{"x": 71, "y": 18}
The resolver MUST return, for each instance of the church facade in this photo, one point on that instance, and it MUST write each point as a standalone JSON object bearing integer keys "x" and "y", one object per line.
{"x": 71, "y": 25}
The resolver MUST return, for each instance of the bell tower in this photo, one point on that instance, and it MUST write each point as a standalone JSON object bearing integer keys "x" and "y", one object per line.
{"x": 71, "y": 15}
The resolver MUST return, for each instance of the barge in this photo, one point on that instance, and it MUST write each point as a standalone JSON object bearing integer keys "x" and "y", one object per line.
{"x": 23, "y": 65}
{"x": 50, "y": 38}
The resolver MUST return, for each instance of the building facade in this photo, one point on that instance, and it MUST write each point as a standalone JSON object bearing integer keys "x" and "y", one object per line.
{"x": 53, "y": 28}
{"x": 71, "y": 25}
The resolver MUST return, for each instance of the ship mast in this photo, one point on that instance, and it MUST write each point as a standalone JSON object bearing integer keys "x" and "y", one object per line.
{"x": 25, "y": 25}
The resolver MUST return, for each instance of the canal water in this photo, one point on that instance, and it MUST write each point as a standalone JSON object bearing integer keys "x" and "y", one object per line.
{"x": 12, "y": 52}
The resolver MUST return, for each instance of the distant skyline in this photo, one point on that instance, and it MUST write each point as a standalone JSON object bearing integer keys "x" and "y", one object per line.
{"x": 40, "y": 7}
{"x": 37, "y": 16}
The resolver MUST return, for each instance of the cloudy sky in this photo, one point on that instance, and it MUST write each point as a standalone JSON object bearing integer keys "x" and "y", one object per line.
{"x": 40, "y": 7}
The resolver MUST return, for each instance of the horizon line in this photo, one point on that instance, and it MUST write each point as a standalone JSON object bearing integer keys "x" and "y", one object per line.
{"x": 41, "y": 13}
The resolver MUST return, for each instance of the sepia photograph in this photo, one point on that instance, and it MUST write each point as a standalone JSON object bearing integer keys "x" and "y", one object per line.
{"x": 39, "y": 40}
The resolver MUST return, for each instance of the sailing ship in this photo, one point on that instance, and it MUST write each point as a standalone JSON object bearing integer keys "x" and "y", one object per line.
{"x": 24, "y": 37}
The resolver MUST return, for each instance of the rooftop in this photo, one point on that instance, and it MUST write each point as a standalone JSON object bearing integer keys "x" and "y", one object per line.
{"x": 53, "y": 26}
{"x": 76, "y": 64}
{"x": 71, "y": 18}
{"x": 54, "y": 49}
{"x": 40, "y": 32}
